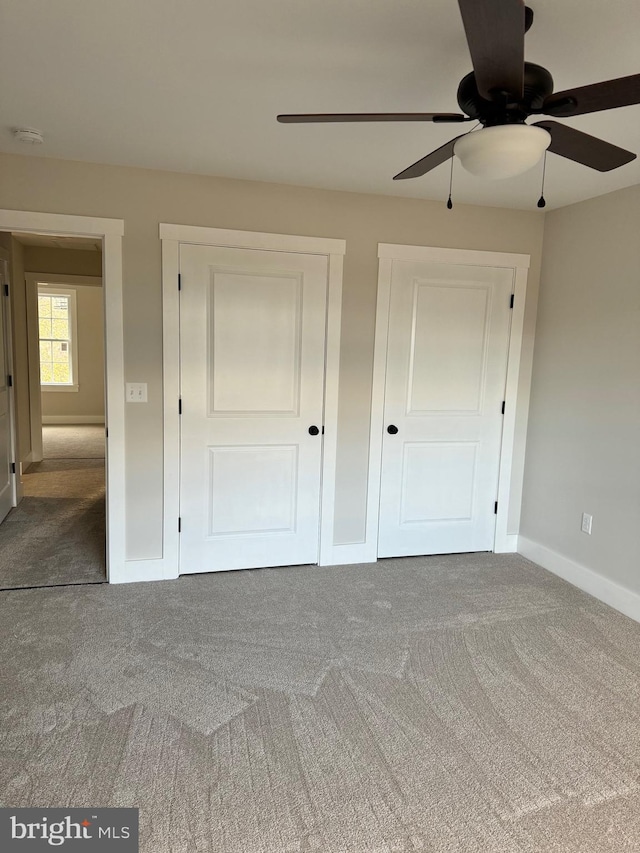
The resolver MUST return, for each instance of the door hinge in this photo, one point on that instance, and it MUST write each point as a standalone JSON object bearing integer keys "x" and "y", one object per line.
{"x": 512, "y": 300}
{"x": 179, "y": 525}
{"x": 6, "y": 290}
{"x": 495, "y": 508}
{"x": 13, "y": 467}
{"x": 10, "y": 381}
{"x": 106, "y": 432}
{"x": 504, "y": 403}
{"x": 179, "y": 405}
{"x": 179, "y": 281}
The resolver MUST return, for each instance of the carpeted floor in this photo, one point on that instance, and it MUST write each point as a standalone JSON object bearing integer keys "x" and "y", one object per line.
{"x": 457, "y": 704}
{"x": 73, "y": 441}
{"x": 56, "y": 535}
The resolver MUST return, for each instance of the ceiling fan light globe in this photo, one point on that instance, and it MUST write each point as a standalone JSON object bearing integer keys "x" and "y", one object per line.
{"x": 502, "y": 151}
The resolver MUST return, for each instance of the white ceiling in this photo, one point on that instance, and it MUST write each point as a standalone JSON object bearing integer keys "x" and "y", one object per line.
{"x": 195, "y": 86}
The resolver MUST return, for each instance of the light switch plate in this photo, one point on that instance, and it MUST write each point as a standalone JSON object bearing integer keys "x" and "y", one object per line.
{"x": 586, "y": 523}
{"x": 136, "y": 392}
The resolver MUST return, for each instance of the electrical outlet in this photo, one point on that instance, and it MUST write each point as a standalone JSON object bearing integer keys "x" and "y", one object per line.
{"x": 136, "y": 392}
{"x": 586, "y": 523}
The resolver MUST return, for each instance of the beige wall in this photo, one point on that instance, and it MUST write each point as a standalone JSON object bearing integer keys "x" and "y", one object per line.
{"x": 145, "y": 198}
{"x": 583, "y": 447}
{"x": 62, "y": 261}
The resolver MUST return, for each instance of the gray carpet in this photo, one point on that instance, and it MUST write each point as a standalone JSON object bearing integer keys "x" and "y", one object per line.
{"x": 461, "y": 704}
{"x": 57, "y": 534}
{"x": 73, "y": 441}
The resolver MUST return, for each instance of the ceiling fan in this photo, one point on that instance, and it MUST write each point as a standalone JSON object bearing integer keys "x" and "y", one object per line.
{"x": 501, "y": 93}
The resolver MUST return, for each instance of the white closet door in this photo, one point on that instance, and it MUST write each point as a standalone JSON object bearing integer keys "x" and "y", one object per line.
{"x": 446, "y": 370}
{"x": 252, "y": 326}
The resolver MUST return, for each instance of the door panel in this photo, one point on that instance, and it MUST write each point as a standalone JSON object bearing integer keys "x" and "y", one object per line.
{"x": 448, "y": 347}
{"x": 254, "y": 368}
{"x": 265, "y": 474}
{"x": 446, "y": 370}
{"x": 252, "y": 376}
{"x": 438, "y": 480}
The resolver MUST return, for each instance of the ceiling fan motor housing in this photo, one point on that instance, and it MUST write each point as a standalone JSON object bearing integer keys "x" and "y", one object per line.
{"x": 505, "y": 109}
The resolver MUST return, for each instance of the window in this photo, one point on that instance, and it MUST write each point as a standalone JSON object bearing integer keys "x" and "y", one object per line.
{"x": 57, "y": 334}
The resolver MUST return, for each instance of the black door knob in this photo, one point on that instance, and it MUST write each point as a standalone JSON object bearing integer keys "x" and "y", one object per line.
{"x": 313, "y": 430}
{"x": 392, "y": 429}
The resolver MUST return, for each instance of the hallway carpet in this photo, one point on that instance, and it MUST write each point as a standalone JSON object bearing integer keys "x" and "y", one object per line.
{"x": 56, "y": 535}
{"x": 73, "y": 441}
{"x": 457, "y": 704}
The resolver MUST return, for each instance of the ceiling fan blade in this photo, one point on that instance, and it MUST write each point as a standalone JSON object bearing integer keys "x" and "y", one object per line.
{"x": 583, "y": 148}
{"x": 495, "y": 34}
{"x": 329, "y": 117}
{"x": 608, "y": 95}
{"x": 426, "y": 164}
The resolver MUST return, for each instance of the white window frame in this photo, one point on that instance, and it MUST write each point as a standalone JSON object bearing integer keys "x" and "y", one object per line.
{"x": 46, "y": 289}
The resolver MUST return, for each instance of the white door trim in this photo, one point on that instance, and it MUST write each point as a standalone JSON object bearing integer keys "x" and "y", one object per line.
{"x": 507, "y": 493}
{"x": 468, "y": 257}
{"x": 16, "y": 490}
{"x": 252, "y": 240}
{"x": 172, "y": 236}
{"x": 111, "y": 232}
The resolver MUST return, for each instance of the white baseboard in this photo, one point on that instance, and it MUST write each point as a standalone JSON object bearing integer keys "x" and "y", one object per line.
{"x": 614, "y": 594}
{"x": 509, "y": 544}
{"x": 72, "y": 419}
{"x": 134, "y": 571}
{"x": 345, "y": 555}
{"x": 363, "y": 552}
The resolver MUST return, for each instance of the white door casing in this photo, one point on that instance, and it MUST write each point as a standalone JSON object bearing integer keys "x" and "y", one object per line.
{"x": 7, "y": 476}
{"x": 516, "y": 389}
{"x": 447, "y": 349}
{"x": 253, "y": 325}
{"x": 110, "y": 231}
{"x": 174, "y": 237}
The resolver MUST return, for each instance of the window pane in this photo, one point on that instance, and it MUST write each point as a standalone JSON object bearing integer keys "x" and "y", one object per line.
{"x": 61, "y": 373}
{"x": 45, "y": 351}
{"x": 59, "y": 329}
{"x": 60, "y": 351}
{"x": 44, "y": 306}
{"x": 60, "y": 306}
{"x": 54, "y": 321}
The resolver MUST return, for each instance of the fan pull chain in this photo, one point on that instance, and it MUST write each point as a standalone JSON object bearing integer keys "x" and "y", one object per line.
{"x": 541, "y": 201}
{"x": 449, "y": 202}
